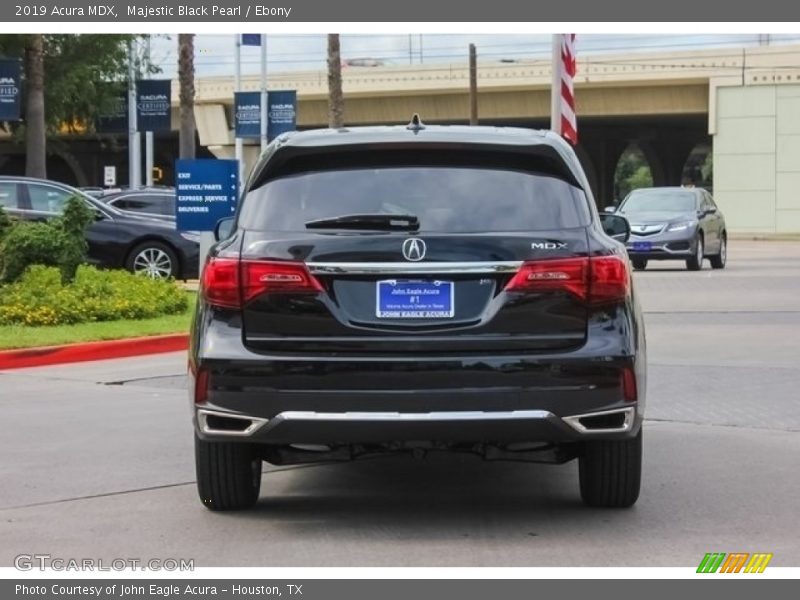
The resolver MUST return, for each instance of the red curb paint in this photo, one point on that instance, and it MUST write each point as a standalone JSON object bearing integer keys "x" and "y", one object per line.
{"x": 53, "y": 355}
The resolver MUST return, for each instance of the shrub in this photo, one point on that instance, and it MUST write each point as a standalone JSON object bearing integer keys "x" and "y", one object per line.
{"x": 40, "y": 297}
{"x": 60, "y": 242}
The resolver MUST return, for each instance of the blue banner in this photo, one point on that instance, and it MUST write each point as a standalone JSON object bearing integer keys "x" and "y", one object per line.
{"x": 116, "y": 119}
{"x": 251, "y": 39}
{"x": 10, "y": 90}
{"x": 247, "y": 114}
{"x": 154, "y": 105}
{"x": 206, "y": 191}
{"x": 281, "y": 113}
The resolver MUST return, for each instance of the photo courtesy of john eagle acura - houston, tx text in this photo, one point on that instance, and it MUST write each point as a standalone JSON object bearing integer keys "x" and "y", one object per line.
{"x": 415, "y": 288}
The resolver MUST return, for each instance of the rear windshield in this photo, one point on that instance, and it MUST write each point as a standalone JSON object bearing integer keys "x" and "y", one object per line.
{"x": 444, "y": 198}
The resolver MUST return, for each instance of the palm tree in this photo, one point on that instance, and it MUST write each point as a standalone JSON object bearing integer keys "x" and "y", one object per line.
{"x": 335, "y": 97}
{"x": 186, "y": 80}
{"x": 35, "y": 129}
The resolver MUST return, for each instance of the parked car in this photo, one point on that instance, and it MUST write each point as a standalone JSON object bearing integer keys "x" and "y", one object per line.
{"x": 675, "y": 223}
{"x": 156, "y": 203}
{"x": 117, "y": 239}
{"x": 389, "y": 289}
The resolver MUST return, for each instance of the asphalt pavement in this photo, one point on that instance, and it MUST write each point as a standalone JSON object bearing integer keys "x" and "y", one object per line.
{"x": 96, "y": 459}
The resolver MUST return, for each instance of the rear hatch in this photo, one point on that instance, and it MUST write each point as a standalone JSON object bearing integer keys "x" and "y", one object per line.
{"x": 403, "y": 255}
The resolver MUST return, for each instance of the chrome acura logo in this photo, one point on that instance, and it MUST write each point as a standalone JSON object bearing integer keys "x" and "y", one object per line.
{"x": 414, "y": 249}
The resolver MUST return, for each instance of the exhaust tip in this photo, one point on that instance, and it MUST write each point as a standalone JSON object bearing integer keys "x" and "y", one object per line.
{"x": 609, "y": 421}
{"x": 219, "y": 423}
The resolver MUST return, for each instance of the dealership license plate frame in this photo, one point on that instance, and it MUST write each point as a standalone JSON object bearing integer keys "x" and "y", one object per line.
{"x": 426, "y": 299}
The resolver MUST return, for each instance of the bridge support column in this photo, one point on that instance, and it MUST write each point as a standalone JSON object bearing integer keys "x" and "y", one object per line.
{"x": 603, "y": 155}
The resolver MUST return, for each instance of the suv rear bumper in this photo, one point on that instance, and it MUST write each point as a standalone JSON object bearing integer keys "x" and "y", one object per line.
{"x": 308, "y": 427}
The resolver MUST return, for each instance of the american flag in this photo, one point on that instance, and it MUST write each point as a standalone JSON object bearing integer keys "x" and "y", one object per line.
{"x": 569, "y": 124}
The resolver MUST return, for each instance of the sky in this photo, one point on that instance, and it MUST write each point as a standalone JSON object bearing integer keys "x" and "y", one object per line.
{"x": 214, "y": 54}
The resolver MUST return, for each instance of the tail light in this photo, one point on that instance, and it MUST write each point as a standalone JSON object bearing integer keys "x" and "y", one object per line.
{"x": 594, "y": 280}
{"x": 231, "y": 283}
{"x": 629, "y": 390}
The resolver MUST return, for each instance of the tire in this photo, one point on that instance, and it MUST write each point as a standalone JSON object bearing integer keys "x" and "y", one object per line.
{"x": 718, "y": 260}
{"x": 696, "y": 262}
{"x": 153, "y": 259}
{"x": 611, "y": 472}
{"x": 228, "y": 475}
{"x": 640, "y": 264}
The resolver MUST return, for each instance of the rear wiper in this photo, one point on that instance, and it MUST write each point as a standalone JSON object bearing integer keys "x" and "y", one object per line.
{"x": 379, "y": 221}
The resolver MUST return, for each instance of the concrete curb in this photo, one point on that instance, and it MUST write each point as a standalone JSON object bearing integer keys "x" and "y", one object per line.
{"x": 53, "y": 355}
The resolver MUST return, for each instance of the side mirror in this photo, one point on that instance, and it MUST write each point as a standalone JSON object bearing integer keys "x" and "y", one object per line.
{"x": 610, "y": 209}
{"x": 616, "y": 227}
{"x": 224, "y": 228}
{"x": 98, "y": 216}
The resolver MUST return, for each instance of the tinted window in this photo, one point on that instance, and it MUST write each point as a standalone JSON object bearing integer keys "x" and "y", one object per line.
{"x": 8, "y": 195}
{"x": 446, "y": 199}
{"x": 46, "y": 198}
{"x": 660, "y": 201}
{"x": 160, "y": 204}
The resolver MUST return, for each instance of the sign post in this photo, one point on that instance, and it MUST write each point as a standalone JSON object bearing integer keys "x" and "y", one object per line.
{"x": 206, "y": 191}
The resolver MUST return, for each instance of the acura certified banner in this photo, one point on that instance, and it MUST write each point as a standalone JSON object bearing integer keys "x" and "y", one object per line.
{"x": 10, "y": 90}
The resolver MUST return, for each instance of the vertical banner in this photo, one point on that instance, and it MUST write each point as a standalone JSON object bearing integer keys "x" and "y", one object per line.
{"x": 251, "y": 39}
{"x": 10, "y": 90}
{"x": 247, "y": 114}
{"x": 154, "y": 105}
{"x": 281, "y": 113}
{"x": 116, "y": 119}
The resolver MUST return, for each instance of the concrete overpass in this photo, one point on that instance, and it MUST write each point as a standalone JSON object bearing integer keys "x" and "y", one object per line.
{"x": 745, "y": 102}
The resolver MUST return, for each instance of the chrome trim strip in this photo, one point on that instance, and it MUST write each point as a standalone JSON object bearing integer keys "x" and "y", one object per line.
{"x": 472, "y": 415}
{"x": 574, "y": 421}
{"x": 384, "y": 268}
{"x": 255, "y": 423}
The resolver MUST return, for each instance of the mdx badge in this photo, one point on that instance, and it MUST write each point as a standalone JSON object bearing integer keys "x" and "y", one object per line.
{"x": 414, "y": 249}
{"x": 548, "y": 245}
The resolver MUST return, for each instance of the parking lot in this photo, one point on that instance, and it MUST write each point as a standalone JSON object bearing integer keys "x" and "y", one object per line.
{"x": 96, "y": 459}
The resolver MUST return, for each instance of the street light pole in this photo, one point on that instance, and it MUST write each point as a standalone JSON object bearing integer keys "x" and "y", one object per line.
{"x": 134, "y": 143}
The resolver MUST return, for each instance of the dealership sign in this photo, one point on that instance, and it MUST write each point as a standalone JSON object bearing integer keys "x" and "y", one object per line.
{"x": 206, "y": 191}
{"x": 10, "y": 90}
{"x": 154, "y": 105}
{"x": 247, "y": 114}
{"x": 282, "y": 113}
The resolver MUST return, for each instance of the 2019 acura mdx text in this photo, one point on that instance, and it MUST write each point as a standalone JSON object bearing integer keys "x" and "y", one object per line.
{"x": 414, "y": 288}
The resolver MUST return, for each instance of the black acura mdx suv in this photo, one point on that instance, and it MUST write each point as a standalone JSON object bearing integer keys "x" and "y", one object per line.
{"x": 414, "y": 288}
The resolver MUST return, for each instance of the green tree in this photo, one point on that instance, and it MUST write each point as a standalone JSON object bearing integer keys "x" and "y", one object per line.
{"x": 65, "y": 79}
{"x": 632, "y": 172}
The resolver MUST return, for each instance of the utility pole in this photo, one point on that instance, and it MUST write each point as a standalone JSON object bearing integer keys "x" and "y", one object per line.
{"x": 148, "y": 135}
{"x": 134, "y": 141}
{"x": 263, "y": 92}
{"x": 473, "y": 85}
{"x": 237, "y": 87}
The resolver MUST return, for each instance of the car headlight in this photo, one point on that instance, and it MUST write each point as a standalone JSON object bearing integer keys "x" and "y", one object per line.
{"x": 681, "y": 226}
{"x": 192, "y": 236}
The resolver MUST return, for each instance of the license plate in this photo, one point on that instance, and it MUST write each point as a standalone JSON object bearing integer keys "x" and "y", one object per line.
{"x": 414, "y": 299}
{"x": 642, "y": 246}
